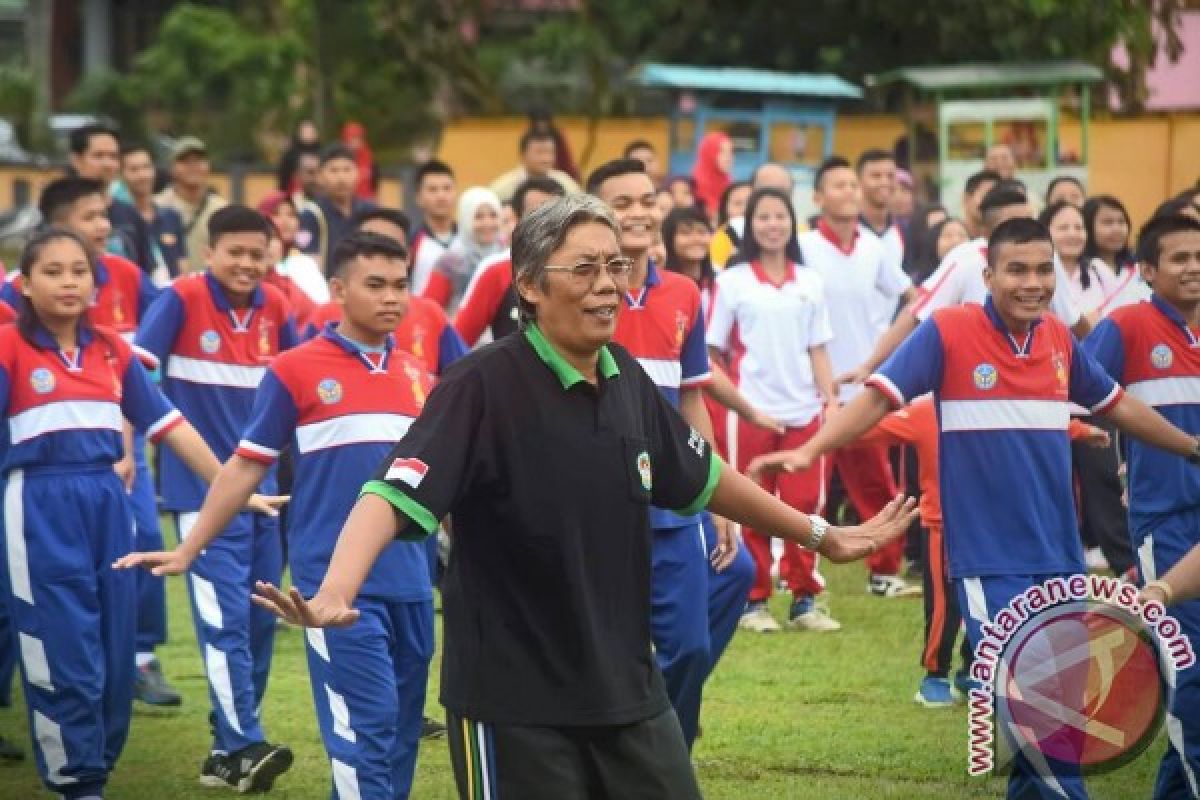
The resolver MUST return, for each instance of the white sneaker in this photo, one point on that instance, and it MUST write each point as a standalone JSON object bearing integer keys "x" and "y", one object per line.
{"x": 1094, "y": 559}
{"x": 817, "y": 620}
{"x": 892, "y": 586}
{"x": 760, "y": 621}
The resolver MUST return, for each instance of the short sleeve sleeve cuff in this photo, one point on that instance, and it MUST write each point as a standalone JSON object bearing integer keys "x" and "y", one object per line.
{"x": 256, "y": 452}
{"x": 884, "y": 384}
{"x": 420, "y": 515}
{"x": 1110, "y": 400}
{"x": 164, "y": 425}
{"x": 710, "y": 486}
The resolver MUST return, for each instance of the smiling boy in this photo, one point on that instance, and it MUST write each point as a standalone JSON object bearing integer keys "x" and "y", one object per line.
{"x": 214, "y": 334}
{"x": 1003, "y": 375}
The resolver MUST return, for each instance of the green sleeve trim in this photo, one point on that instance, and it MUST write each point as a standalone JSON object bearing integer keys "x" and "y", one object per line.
{"x": 714, "y": 475}
{"x": 406, "y": 505}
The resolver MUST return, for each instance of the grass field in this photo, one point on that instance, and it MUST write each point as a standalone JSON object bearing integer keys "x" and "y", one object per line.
{"x": 785, "y": 716}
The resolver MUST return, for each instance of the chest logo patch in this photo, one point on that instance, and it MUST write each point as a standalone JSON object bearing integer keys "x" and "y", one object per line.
{"x": 1161, "y": 357}
{"x": 42, "y": 380}
{"x": 681, "y": 322}
{"x": 1060, "y": 370}
{"x": 210, "y": 342}
{"x": 329, "y": 391}
{"x": 985, "y": 376}
{"x": 643, "y": 465}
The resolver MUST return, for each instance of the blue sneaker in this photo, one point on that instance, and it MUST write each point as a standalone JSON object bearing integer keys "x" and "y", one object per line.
{"x": 935, "y": 693}
{"x": 964, "y": 683}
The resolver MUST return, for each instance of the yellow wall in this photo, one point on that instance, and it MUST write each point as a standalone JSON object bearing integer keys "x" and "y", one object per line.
{"x": 1185, "y": 152}
{"x": 256, "y": 185}
{"x": 482, "y": 149}
{"x": 853, "y": 135}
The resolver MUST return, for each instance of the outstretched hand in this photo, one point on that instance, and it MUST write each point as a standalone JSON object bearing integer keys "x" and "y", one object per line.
{"x": 857, "y": 375}
{"x": 321, "y": 611}
{"x": 843, "y": 544}
{"x": 159, "y": 562}
{"x": 781, "y": 461}
{"x": 268, "y": 504}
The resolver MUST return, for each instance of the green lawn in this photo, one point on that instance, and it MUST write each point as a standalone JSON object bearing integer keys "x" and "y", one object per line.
{"x": 786, "y": 716}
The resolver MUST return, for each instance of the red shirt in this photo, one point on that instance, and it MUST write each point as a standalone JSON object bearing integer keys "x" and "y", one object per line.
{"x": 300, "y": 304}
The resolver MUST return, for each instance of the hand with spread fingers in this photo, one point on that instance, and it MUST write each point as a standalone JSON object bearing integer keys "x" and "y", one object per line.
{"x": 323, "y": 610}
{"x": 843, "y": 544}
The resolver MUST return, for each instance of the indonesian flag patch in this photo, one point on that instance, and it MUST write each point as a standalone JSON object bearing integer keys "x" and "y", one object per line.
{"x": 409, "y": 470}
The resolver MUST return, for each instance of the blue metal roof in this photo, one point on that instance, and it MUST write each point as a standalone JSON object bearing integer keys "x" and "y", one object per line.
{"x": 750, "y": 81}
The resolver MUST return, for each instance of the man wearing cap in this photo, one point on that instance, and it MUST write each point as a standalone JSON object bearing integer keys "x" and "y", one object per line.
{"x": 191, "y": 196}
{"x": 548, "y": 448}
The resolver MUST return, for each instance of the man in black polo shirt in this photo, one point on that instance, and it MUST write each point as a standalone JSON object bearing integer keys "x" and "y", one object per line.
{"x": 547, "y": 448}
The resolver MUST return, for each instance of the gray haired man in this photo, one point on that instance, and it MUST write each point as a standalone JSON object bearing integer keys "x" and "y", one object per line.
{"x": 548, "y": 447}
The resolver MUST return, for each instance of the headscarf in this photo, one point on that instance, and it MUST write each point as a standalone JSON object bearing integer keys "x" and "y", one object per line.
{"x": 269, "y": 205}
{"x": 709, "y": 180}
{"x": 465, "y": 253}
{"x": 352, "y": 131}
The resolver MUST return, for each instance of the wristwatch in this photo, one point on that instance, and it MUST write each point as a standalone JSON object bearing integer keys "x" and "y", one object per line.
{"x": 819, "y": 528}
{"x": 1194, "y": 458}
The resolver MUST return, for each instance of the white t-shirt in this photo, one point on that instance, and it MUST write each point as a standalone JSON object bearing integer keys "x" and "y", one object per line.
{"x": 1103, "y": 282}
{"x": 1129, "y": 289}
{"x": 959, "y": 279}
{"x": 893, "y": 253}
{"x": 856, "y": 285}
{"x": 772, "y": 327}
{"x": 305, "y": 273}
{"x": 426, "y": 250}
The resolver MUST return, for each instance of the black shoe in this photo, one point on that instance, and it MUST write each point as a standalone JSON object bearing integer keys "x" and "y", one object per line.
{"x": 432, "y": 729}
{"x": 251, "y": 769}
{"x": 9, "y": 751}
{"x": 208, "y": 771}
{"x": 151, "y": 687}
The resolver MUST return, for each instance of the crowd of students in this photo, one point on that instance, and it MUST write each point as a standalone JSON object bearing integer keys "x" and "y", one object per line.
{"x": 311, "y": 330}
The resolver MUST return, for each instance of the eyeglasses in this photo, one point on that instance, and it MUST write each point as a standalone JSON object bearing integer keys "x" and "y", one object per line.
{"x": 585, "y": 272}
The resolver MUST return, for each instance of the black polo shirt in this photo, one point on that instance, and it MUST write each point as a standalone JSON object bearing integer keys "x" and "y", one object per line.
{"x": 549, "y": 480}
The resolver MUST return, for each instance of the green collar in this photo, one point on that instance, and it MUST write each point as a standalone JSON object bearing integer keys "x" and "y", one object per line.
{"x": 568, "y": 376}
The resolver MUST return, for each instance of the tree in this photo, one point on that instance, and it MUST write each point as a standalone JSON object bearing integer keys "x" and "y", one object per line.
{"x": 854, "y": 38}
{"x": 211, "y": 75}
{"x": 240, "y": 76}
